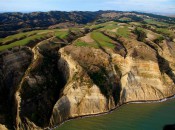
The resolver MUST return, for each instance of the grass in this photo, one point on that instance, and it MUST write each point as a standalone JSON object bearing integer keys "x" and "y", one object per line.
{"x": 61, "y": 34}
{"x": 166, "y": 32}
{"x": 24, "y": 41}
{"x": 103, "y": 40}
{"x": 85, "y": 44}
{"x": 123, "y": 32}
{"x": 81, "y": 43}
{"x": 141, "y": 29}
{"x": 25, "y": 38}
{"x": 154, "y": 22}
{"x": 110, "y": 26}
{"x": 16, "y": 37}
{"x": 100, "y": 40}
{"x": 125, "y": 19}
{"x": 97, "y": 26}
{"x": 105, "y": 26}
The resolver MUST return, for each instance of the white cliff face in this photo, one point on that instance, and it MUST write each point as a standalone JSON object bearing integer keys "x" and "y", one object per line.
{"x": 80, "y": 95}
{"x": 142, "y": 79}
{"x": 142, "y": 82}
{"x": 139, "y": 80}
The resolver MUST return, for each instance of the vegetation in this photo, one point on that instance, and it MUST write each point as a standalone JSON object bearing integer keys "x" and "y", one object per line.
{"x": 25, "y": 41}
{"x": 102, "y": 40}
{"x": 95, "y": 27}
{"x": 123, "y": 32}
{"x": 125, "y": 19}
{"x": 61, "y": 34}
{"x": 141, "y": 35}
{"x": 100, "y": 79}
{"x": 81, "y": 43}
{"x": 32, "y": 37}
{"x": 111, "y": 26}
{"x": 43, "y": 20}
{"x": 157, "y": 23}
{"x": 16, "y": 37}
{"x": 159, "y": 39}
{"x": 166, "y": 32}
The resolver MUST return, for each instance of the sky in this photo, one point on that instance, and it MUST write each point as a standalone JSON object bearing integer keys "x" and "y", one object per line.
{"x": 154, "y": 6}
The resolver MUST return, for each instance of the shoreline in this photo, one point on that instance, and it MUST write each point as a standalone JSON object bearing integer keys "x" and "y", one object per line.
{"x": 116, "y": 108}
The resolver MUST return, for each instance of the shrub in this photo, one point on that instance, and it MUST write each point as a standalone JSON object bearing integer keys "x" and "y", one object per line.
{"x": 141, "y": 35}
{"x": 159, "y": 39}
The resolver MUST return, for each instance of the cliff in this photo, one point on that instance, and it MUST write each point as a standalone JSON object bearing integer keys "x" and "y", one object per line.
{"x": 89, "y": 71}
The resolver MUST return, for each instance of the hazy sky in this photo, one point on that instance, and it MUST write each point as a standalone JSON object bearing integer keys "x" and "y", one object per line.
{"x": 162, "y": 6}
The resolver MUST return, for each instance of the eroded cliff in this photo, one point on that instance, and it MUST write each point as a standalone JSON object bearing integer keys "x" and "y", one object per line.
{"x": 90, "y": 71}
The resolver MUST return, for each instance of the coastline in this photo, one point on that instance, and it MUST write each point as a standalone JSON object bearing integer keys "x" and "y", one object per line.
{"x": 110, "y": 111}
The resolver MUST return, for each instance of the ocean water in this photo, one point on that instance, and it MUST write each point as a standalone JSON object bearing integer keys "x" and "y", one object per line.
{"x": 152, "y": 116}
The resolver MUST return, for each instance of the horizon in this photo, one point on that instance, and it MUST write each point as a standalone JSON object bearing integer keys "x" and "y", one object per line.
{"x": 155, "y": 13}
{"x": 149, "y": 6}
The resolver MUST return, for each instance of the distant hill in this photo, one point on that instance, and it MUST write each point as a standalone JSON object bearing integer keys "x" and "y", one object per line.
{"x": 11, "y": 23}
{"x": 172, "y": 16}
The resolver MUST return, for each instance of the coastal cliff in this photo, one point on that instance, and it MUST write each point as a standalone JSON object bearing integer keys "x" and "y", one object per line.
{"x": 133, "y": 78}
{"x": 86, "y": 71}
